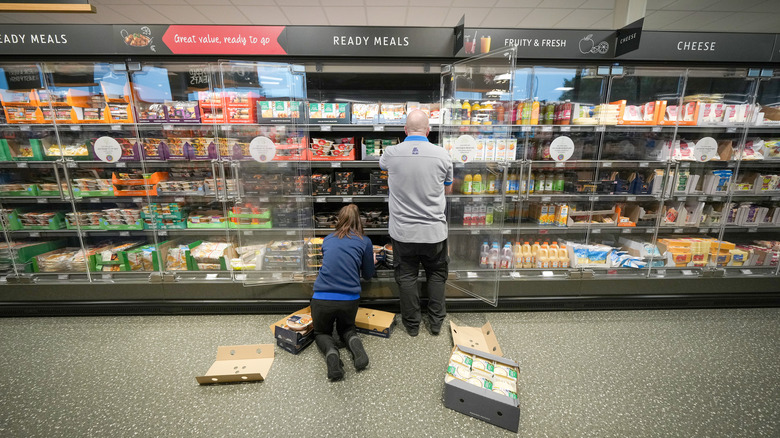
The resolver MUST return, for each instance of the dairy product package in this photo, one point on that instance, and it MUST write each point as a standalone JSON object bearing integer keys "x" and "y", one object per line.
{"x": 462, "y": 358}
{"x": 458, "y": 371}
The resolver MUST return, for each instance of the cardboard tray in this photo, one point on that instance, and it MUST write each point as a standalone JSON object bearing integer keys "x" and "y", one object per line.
{"x": 295, "y": 349}
{"x": 478, "y": 338}
{"x": 288, "y": 336}
{"x": 239, "y": 363}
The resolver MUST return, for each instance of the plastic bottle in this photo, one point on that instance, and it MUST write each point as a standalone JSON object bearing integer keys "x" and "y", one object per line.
{"x": 465, "y": 113}
{"x": 535, "y": 252}
{"x": 520, "y": 185}
{"x": 489, "y": 215}
{"x": 526, "y": 114}
{"x": 447, "y": 112}
{"x": 517, "y": 255}
{"x": 476, "y": 109}
{"x": 532, "y": 183}
{"x": 456, "y": 112}
{"x": 535, "y": 112}
{"x": 491, "y": 184}
{"x": 484, "y": 253}
{"x": 566, "y": 113}
{"x": 548, "y": 183}
{"x": 549, "y": 113}
{"x": 493, "y": 256}
{"x": 500, "y": 112}
{"x": 468, "y": 185}
{"x": 553, "y": 254}
{"x": 559, "y": 183}
{"x": 505, "y": 261}
{"x": 476, "y": 185}
{"x": 563, "y": 257}
{"x": 539, "y": 183}
{"x": 543, "y": 260}
{"x": 528, "y": 256}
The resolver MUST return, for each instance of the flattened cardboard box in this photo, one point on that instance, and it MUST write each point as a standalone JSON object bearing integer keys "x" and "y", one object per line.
{"x": 474, "y": 401}
{"x": 284, "y": 334}
{"x": 239, "y": 363}
{"x": 374, "y": 322}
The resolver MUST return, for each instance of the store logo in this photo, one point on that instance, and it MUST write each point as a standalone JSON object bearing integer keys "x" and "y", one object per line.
{"x": 415, "y": 151}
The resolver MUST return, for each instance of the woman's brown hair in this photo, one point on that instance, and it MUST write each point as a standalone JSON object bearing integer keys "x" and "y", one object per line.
{"x": 349, "y": 221}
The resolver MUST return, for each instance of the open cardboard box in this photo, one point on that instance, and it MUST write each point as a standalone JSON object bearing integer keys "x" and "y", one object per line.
{"x": 297, "y": 340}
{"x": 239, "y": 363}
{"x": 475, "y": 401}
{"x": 374, "y": 322}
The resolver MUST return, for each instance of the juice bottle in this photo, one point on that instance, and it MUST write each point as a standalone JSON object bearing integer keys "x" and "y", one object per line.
{"x": 475, "y": 114}
{"x": 476, "y": 185}
{"x": 566, "y": 113}
{"x": 539, "y": 183}
{"x": 549, "y": 114}
{"x": 563, "y": 257}
{"x": 517, "y": 115}
{"x": 526, "y": 115}
{"x": 543, "y": 259}
{"x": 517, "y": 255}
{"x": 535, "y": 112}
{"x": 553, "y": 254}
{"x": 500, "y": 112}
{"x": 559, "y": 183}
{"x": 491, "y": 184}
{"x": 493, "y": 256}
{"x": 532, "y": 184}
{"x": 484, "y": 253}
{"x": 465, "y": 113}
{"x": 506, "y": 256}
{"x": 548, "y": 183}
{"x": 468, "y": 185}
{"x": 528, "y": 257}
{"x": 535, "y": 252}
{"x": 489, "y": 214}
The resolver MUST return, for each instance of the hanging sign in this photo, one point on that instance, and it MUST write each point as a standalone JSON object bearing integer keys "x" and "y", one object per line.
{"x": 262, "y": 149}
{"x": 705, "y": 149}
{"x": 562, "y": 148}
{"x": 464, "y": 149}
{"x": 108, "y": 149}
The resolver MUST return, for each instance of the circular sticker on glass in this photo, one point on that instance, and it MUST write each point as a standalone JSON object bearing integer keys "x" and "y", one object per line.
{"x": 464, "y": 149}
{"x": 705, "y": 149}
{"x": 562, "y": 148}
{"x": 108, "y": 149}
{"x": 262, "y": 149}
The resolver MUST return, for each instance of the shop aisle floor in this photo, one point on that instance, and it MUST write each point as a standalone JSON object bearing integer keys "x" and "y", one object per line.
{"x": 712, "y": 373}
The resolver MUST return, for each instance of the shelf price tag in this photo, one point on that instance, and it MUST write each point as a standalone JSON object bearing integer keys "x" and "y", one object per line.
{"x": 94, "y": 200}
{"x": 506, "y": 231}
{"x": 559, "y": 164}
{"x": 717, "y": 198}
{"x": 43, "y": 200}
{"x": 168, "y": 127}
{"x": 543, "y": 231}
{"x": 124, "y": 234}
{"x": 752, "y": 230}
{"x": 162, "y": 233}
{"x": 474, "y": 231}
{"x": 34, "y": 234}
{"x": 211, "y": 276}
{"x": 291, "y": 232}
{"x": 322, "y": 199}
{"x": 565, "y": 128}
{"x": 606, "y": 164}
{"x": 626, "y": 230}
{"x": 75, "y": 127}
{"x": 649, "y": 231}
{"x": 514, "y": 274}
{"x": 326, "y": 128}
{"x": 546, "y": 128}
{"x": 546, "y": 198}
{"x": 106, "y": 276}
{"x": 644, "y": 164}
{"x": 335, "y": 164}
{"x": 525, "y": 129}
{"x": 379, "y": 128}
{"x": 121, "y": 164}
{"x": 702, "y": 198}
{"x": 656, "y": 129}
{"x": 596, "y": 231}
{"x": 22, "y": 164}
{"x": 241, "y": 277}
{"x": 346, "y": 200}
{"x": 601, "y": 128}
{"x": 731, "y": 130}
{"x": 262, "y": 199}
{"x": 138, "y": 199}
{"x": 703, "y": 230}
{"x": 687, "y": 272}
{"x": 116, "y": 127}
{"x": 248, "y": 232}
{"x": 678, "y": 230}
{"x": 178, "y": 199}
{"x": 471, "y": 275}
{"x": 24, "y": 128}
{"x": 630, "y": 198}
{"x": 62, "y": 277}
{"x": 746, "y": 271}
{"x": 547, "y": 274}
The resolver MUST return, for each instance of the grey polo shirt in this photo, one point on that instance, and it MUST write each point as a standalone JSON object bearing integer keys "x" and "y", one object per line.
{"x": 417, "y": 173}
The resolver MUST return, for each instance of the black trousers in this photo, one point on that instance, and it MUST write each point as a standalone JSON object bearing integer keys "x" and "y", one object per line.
{"x": 407, "y": 258}
{"x": 324, "y": 313}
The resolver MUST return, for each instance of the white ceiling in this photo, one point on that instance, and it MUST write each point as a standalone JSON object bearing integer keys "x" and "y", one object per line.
{"x": 673, "y": 15}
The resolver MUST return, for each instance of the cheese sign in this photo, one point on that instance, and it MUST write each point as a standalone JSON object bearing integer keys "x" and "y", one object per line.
{"x": 705, "y": 149}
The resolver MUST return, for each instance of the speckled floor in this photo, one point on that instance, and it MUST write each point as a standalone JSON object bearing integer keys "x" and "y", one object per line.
{"x": 709, "y": 373}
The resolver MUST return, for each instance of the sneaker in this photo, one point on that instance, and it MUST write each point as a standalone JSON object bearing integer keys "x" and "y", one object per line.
{"x": 412, "y": 331}
{"x": 335, "y": 367}
{"x": 359, "y": 355}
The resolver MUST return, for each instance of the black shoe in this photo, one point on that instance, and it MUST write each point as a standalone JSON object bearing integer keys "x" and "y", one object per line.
{"x": 412, "y": 331}
{"x": 434, "y": 329}
{"x": 335, "y": 367}
{"x": 359, "y": 355}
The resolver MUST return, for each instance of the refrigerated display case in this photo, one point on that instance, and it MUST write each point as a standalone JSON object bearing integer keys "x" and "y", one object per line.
{"x": 214, "y": 182}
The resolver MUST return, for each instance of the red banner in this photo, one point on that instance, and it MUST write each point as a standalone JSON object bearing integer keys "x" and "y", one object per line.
{"x": 224, "y": 40}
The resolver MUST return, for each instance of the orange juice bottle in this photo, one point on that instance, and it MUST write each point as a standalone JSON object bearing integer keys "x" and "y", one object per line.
{"x": 527, "y": 256}
{"x": 477, "y": 188}
{"x": 563, "y": 257}
{"x": 475, "y": 113}
{"x": 543, "y": 261}
{"x": 468, "y": 185}
{"x": 535, "y": 111}
{"x": 553, "y": 254}
{"x": 535, "y": 252}
{"x": 465, "y": 113}
{"x": 517, "y": 256}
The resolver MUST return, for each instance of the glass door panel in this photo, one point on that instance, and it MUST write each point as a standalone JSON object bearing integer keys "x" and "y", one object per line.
{"x": 477, "y": 99}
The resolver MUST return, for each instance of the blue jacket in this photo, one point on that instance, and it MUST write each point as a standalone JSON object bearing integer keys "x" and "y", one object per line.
{"x": 343, "y": 260}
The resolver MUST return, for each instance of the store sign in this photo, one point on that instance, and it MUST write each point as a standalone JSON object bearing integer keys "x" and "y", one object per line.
{"x": 628, "y": 37}
{"x": 562, "y": 148}
{"x": 107, "y": 149}
{"x": 542, "y": 43}
{"x": 706, "y": 148}
{"x": 703, "y": 46}
{"x": 262, "y": 149}
{"x": 464, "y": 149}
{"x": 358, "y": 41}
{"x": 459, "y": 31}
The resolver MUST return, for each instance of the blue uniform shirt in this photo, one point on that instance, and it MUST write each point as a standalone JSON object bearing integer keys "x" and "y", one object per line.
{"x": 343, "y": 260}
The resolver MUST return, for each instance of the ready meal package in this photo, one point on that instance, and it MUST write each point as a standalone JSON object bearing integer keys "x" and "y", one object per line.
{"x": 209, "y": 253}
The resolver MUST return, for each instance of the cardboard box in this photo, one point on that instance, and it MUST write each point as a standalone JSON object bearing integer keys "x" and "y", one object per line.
{"x": 239, "y": 363}
{"x": 284, "y": 334}
{"x": 375, "y": 322}
{"x": 475, "y": 401}
{"x": 296, "y": 349}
